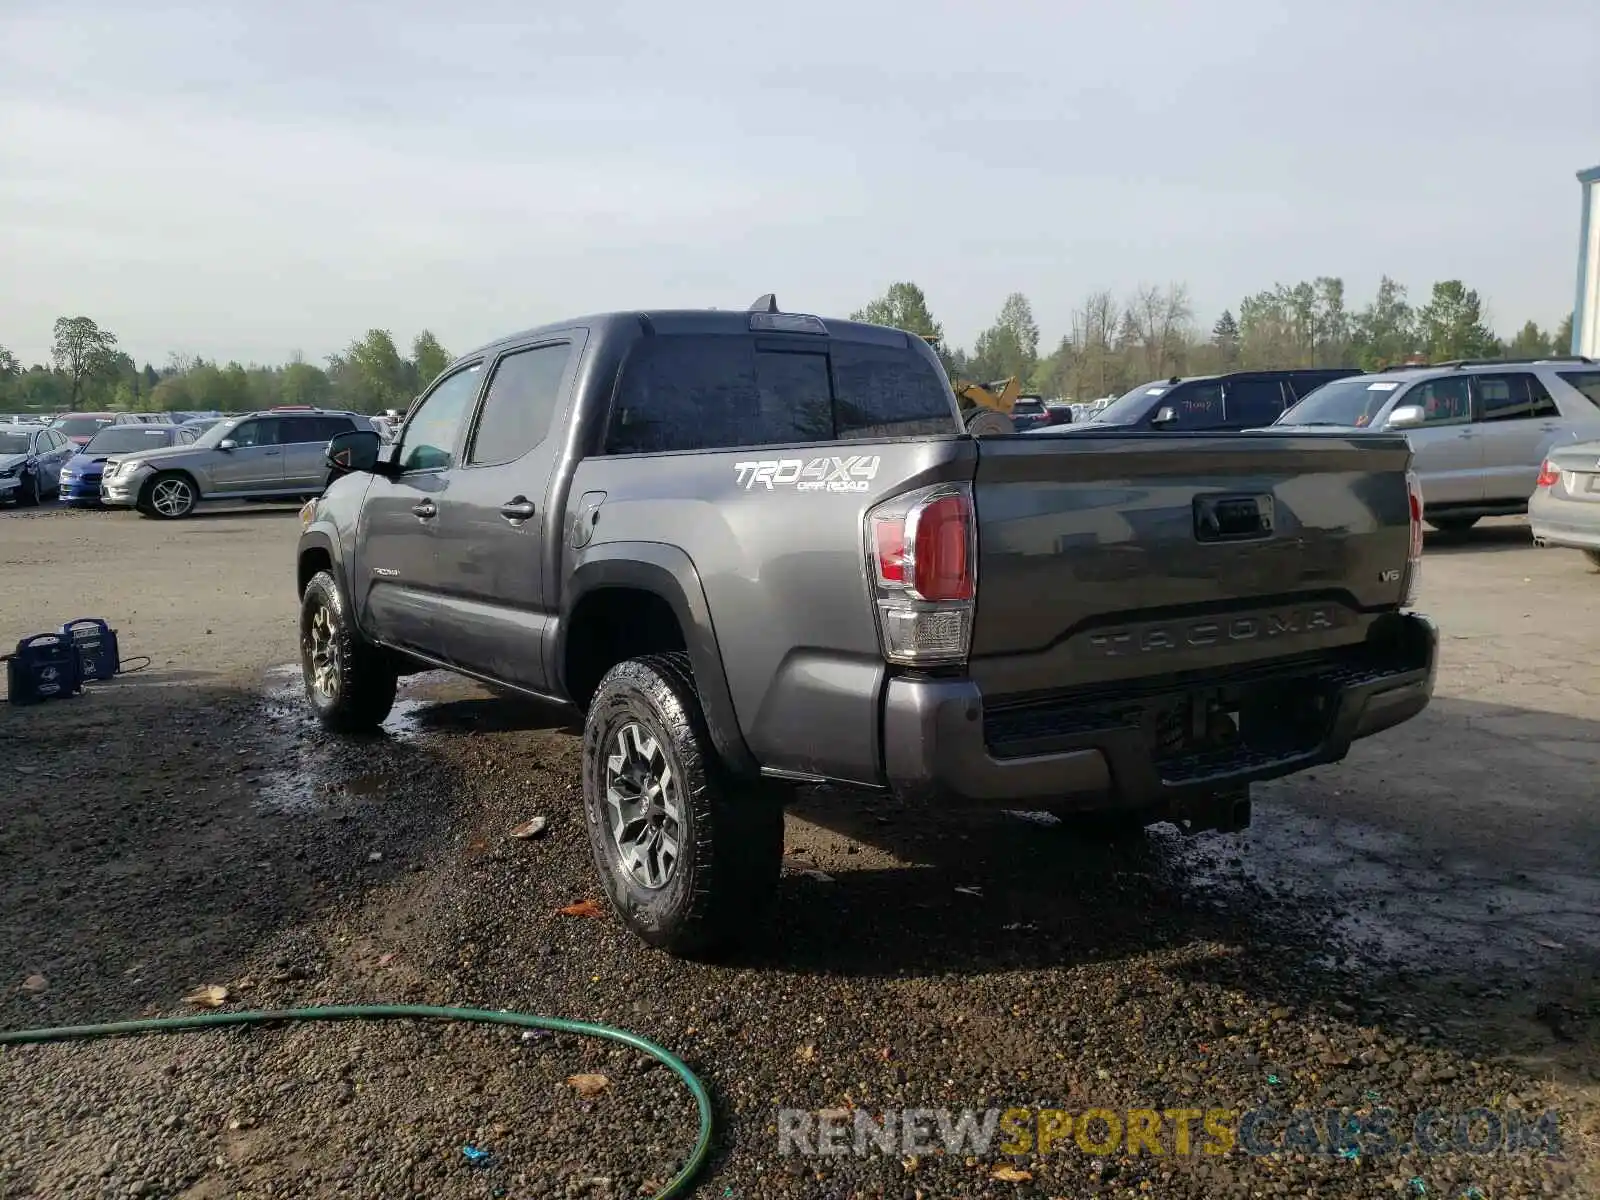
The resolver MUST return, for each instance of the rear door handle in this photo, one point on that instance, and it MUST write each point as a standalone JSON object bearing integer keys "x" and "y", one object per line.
{"x": 426, "y": 509}
{"x": 270, "y": 453}
{"x": 519, "y": 508}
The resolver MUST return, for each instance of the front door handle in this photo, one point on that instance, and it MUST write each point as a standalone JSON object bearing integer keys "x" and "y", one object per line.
{"x": 270, "y": 453}
{"x": 426, "y": 509}
{"x": 519, "y": 508}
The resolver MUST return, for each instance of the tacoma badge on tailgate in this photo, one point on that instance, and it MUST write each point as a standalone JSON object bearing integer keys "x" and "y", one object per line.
{"x": 1214, "y": 631}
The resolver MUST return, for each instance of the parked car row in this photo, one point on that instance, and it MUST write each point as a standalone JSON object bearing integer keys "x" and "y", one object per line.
{"x": 1490, "y": 437}
{"x": 165, "y": 468}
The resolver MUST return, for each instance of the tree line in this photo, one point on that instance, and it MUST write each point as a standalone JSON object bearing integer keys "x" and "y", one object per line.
{"x": 88, "y": 371}
{"x": 1112, "y": 344}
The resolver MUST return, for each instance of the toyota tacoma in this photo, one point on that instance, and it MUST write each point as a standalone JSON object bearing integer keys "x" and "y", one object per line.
{"x": 759, "y": 550}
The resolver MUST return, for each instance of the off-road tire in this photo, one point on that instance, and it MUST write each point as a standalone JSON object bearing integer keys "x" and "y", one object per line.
{"x": 28, "y": 493}
{"x": 146, "y": 497}
{"x": 986, "y": 422}
{"x": 1448, "y": 524}
{"x": 730, "y": 841}
{"x": 364, "y": 675}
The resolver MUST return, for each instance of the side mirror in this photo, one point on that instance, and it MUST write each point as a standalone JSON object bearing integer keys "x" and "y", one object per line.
{"x": 1165, "y": 415}
{"x": 1407, "y": 416}
{"x": 227, "y": 444}
{"x": 353, "y": 450}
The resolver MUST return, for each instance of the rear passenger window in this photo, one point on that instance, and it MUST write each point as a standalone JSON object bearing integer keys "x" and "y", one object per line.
{"x": 1254, "y": 401}
{"x": 882, "y": 392}
{"x": 520, "y": 404}
{"x": 1515, "y": 397}
{"x": 303, "y": 430}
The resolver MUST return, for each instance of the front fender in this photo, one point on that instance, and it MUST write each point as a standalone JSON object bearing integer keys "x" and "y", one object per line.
{"x": 313, "y": 540}
{"x": 670, "y": 574}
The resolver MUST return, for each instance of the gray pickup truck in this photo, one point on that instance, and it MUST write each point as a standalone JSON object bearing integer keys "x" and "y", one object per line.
{"x": 759, "y": 550}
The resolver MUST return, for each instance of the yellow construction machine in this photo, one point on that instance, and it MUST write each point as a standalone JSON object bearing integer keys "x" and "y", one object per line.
{"x": 1000, "y": 395}
{"x": 986, "y": 407}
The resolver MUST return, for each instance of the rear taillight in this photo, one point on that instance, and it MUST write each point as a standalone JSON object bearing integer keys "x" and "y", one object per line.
{"x": 1548, "y": 475}
{"x": 1414, "y": 554}
{"x": 922, "y": 562}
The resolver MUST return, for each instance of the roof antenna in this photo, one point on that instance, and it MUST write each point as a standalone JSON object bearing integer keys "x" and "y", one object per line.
{"x": 766, "y": 304}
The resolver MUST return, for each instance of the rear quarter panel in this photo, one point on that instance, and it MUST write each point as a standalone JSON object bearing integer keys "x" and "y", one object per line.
{"x": 776, "y": 538}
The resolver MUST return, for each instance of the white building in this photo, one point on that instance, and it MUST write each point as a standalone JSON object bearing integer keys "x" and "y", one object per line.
{"x": 1586, "y": 311}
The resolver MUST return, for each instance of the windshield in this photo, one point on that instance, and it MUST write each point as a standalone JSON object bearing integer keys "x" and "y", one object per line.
{"x": 80, "y": 426}
{"x": 1345, "y": 402}
{"x": 14, "y": 443}
{"x": 126, "y": 439}
{"x": 1130, "y": 406}
{"x": 216, "y": 433}
{"x": 1029, "y": 407}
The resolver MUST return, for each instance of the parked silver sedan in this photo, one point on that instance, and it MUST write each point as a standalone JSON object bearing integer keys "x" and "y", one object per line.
{"x": 1564, "y": 509}
{"x": 1479, "y": 430}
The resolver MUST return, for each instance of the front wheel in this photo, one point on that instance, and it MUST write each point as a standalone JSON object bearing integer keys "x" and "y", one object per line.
{"x": 170, "y": 496}
{"x": 28, "y": 493}
{"x": 349, "y": 682}
{"x": 689, "y": 862}
{"x": 1594, "y": 558}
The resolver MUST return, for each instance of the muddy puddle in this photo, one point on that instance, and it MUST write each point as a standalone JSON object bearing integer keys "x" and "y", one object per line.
{"x": 1381, "y": 896}
{"x": 1390, "y": 900}
{"x": 311, "y": 770}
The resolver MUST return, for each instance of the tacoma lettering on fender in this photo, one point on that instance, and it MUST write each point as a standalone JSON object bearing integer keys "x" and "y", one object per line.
{"x": 759, "y": 550}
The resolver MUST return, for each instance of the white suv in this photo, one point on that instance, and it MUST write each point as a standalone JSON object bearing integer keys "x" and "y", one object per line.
{"x": 1479, "y": 429}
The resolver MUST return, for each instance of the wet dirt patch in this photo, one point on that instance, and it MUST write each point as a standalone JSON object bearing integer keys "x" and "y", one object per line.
{"x": 305, "y": 769}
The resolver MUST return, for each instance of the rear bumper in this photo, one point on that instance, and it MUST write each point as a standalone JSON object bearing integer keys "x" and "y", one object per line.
{"x": 1096, "y": 752}
{"x": 1557, "y": 521}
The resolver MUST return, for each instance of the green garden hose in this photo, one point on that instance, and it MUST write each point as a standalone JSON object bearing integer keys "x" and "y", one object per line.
{"x": 418, "y": 1012}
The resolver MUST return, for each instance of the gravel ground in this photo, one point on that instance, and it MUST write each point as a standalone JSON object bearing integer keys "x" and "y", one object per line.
{"x": 1417, "y": 928}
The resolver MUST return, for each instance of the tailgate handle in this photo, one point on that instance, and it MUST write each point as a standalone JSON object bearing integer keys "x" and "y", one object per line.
{"x": 1232, "y": 518}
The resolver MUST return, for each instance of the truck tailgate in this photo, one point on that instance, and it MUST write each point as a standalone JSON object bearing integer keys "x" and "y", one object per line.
{"x": 1119, "y": 556}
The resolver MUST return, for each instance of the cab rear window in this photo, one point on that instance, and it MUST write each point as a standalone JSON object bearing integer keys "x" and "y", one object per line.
{"x": 708, "y": 392}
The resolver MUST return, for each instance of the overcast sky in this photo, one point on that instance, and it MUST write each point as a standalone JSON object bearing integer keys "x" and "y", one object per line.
{"x": 243, "y": 180}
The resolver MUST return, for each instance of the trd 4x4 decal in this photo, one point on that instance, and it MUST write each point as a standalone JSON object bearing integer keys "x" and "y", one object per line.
{"x": 853, "y": 473}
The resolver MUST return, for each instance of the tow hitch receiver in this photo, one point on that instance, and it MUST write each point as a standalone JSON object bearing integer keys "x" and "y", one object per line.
{"x": 1217, "y": 812}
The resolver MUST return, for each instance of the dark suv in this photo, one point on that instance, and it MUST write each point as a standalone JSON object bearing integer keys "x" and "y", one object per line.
{"x": 1240, "y": 400}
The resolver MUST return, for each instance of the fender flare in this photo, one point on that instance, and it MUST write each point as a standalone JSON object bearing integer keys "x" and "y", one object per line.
{"x": 669, "y": 573}
{"x": 316, "y": 539}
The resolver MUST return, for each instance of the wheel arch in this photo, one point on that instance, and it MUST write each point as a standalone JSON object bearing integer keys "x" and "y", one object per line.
{"x": 315, "y": 553}
{"x": 668, "y": 577}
